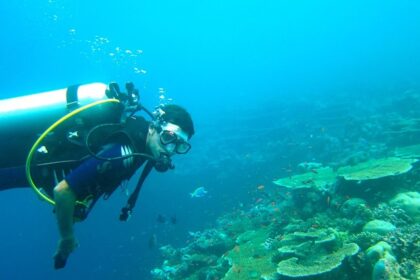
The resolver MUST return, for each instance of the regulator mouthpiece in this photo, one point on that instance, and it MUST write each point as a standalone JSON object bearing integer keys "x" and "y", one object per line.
{"x": 163, "y": 163}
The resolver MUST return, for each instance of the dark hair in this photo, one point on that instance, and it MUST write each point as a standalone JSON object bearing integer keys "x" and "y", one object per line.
{"x": 177, "y": 115}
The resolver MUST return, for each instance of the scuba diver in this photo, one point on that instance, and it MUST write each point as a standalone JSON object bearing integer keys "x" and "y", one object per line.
{"x": 88, "y": 152}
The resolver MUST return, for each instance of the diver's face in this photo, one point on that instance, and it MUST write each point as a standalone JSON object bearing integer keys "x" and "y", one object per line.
{"x": 155, "y": 145}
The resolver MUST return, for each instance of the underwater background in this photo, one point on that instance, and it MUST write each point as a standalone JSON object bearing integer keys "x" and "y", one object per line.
{"x": 272, "y": 87}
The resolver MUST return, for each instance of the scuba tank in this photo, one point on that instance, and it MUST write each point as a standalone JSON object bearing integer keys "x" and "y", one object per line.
{"x": 56, "y": 128}
{"x": 24, "y": 118}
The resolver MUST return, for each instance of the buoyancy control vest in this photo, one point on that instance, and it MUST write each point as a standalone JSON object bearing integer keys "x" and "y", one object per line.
{"x": 53, "y": 127}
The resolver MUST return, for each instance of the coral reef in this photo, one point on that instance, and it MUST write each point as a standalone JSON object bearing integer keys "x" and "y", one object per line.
{"x": 359, "y": 222}
{"x": 198, "y": 260}
{"x": 394, "y": 215}
{"x": 379, "y": 226}
{"x": 409, "y": 202}
{"x": 412, "y": 151}
{"x": 365, "y": 239}
{"x": 405, "y": 244}
{"x": 378, "y": 251}
{"x": 386, "y": 268}
{"x": 251, "y": 259}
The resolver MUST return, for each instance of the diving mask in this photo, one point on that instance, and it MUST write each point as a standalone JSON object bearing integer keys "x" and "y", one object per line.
{"x": 174, "y": 139}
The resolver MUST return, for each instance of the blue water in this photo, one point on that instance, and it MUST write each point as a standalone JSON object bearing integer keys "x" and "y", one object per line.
{"x": 238, "y": 66}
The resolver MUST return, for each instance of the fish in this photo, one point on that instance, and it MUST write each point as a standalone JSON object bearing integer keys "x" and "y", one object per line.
{"x": 152, "y": 241}
{"x": 328, "y": 200}
{"x": 309, "y": 181}
{"x": 198, "y": 192}
{"x": 161, "y": 219}
{"x": 165, "y": 220}
{"x": 313, "y": 170}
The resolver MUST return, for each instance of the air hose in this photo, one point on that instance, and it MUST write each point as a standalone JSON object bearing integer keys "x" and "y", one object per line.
{"x": 44, "y": 135}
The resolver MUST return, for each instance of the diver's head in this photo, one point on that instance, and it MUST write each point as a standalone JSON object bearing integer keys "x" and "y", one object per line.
{"x": 169, "y": 135}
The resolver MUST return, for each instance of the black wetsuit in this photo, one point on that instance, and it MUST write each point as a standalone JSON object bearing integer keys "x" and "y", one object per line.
{"x": 91, "y": 176}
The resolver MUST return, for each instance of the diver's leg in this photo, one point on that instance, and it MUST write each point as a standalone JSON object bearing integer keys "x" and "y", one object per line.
{"x": 12, "y": 178}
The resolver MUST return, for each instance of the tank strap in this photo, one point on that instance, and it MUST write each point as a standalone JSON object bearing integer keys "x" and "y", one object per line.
{"x": 72, "y": 98}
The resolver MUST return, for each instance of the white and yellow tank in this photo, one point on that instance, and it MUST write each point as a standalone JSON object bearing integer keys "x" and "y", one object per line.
{"x": 23, "y": 119}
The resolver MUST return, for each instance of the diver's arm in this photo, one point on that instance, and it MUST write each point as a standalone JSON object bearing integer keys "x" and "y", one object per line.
{"x": 65, "y": 201}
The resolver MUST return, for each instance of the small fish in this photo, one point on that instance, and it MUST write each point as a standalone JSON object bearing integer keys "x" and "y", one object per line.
{"x": 198, "y": 192}
{"x": 260, "y": 187}
{"x": 152, "y": 241}
{"x": 309, "y": 181}
{"x": 165, "y": 220}
{"x": 237, "y": 249}
{"x": 194, "y": 234}
{"x": 161, "y": 219}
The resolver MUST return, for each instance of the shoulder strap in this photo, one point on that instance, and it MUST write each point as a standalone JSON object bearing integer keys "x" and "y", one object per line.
{"x": 131, "y": 202}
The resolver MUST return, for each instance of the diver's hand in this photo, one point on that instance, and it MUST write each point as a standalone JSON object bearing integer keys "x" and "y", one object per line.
{"x": 65, "y": 248}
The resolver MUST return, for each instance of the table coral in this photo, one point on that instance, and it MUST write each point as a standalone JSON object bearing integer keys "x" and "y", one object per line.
{"x": 376, "y": 168}
{"x": 321, "y": 179}
{"x": 312, "y": 253}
